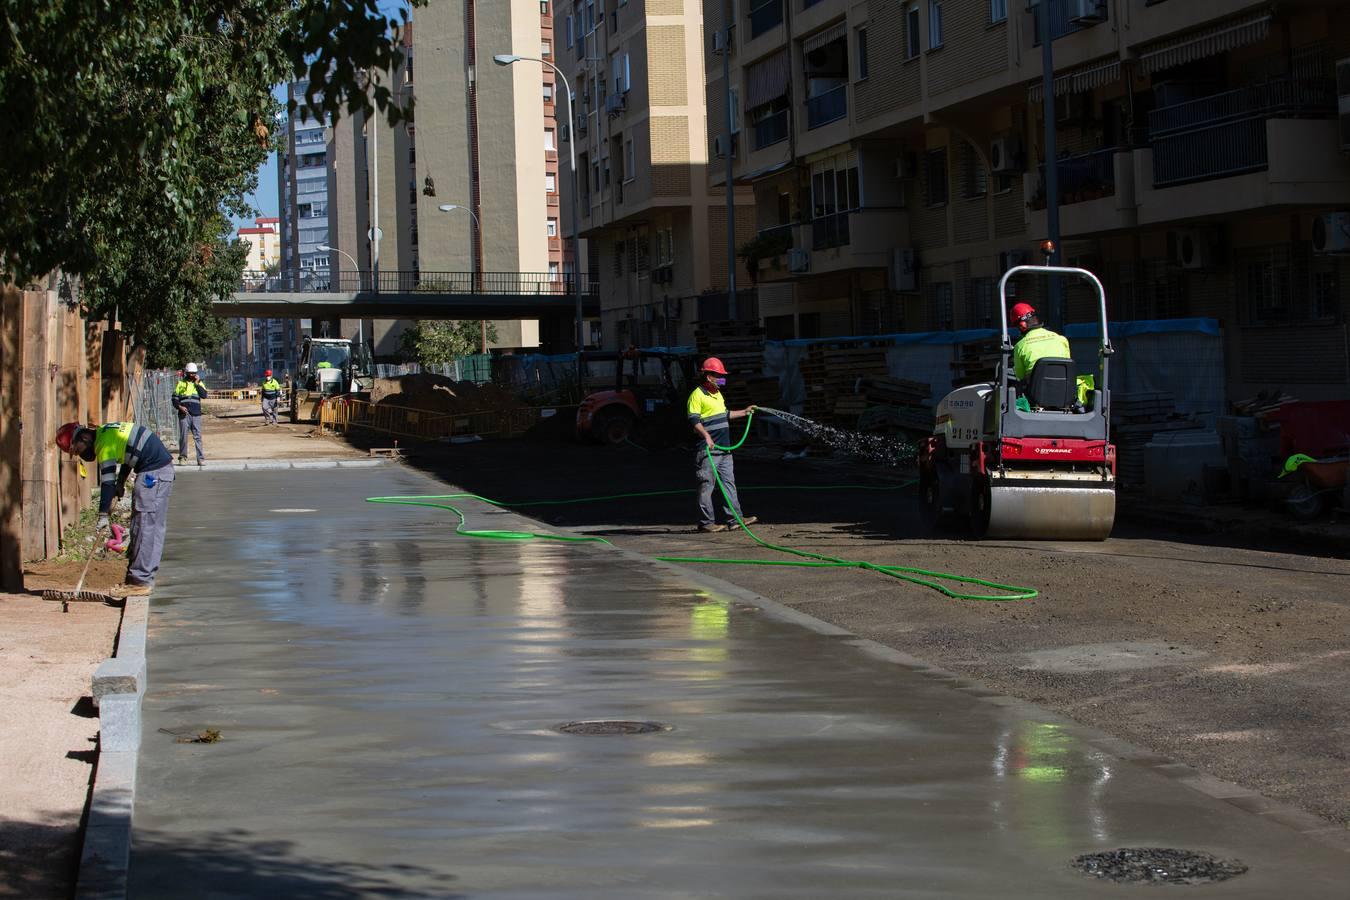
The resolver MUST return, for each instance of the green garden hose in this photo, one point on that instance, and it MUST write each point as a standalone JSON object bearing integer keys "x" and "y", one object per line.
{"x": 923, "y": 577}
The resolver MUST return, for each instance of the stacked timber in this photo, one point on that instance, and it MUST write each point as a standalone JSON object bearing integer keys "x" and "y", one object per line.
{"x": 740, "y": 347}
{"x": 1135, "y": 419}
{"x": 976, "y": 362}
{"x": 834, "y": 374}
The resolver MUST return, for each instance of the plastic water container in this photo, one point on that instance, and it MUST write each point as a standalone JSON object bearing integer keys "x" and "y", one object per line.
{"x": 1174, "y": 463}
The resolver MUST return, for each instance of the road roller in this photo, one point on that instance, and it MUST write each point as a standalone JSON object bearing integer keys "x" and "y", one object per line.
{"x": 1042, "y": 468}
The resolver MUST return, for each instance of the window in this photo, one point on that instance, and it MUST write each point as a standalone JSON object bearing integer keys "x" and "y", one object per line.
{"x": 998, "y": 11}
{"x": 935, "y": 176}
{"x": 621, "y": 69}
{"x": 629, "y": 162}
{"x": 551, "y": 183}
{"x": 550, "y": 139}
{"x": 912, "y": 31}
{"x": 571, "y": 35}
{"x": 552, "y": 227}
{"x": 665, "y": 247}
{"x": 548, "y": 93}
{"x": 980, "y": 303}
{"x": 974, "y": 177}
{"x": 546, "y": 49}
{"x": 934, "y": 24}
{"x": 940, "y": 306}
{"x": 595, "y": 176}
{"x": 553, "y": 271}
{"x": 861, "y": 36}
{"x": 734, "y": 99}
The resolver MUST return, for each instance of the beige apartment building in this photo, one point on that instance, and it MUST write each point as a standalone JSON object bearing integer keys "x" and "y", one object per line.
{"x": 895, "y": 155}
{"x": 654, "y": 223}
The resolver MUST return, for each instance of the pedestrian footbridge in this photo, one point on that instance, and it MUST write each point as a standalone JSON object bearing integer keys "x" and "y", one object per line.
{"x": 411, "y": 295}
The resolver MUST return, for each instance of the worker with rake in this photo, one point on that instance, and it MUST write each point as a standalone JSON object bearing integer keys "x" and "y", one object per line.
{"x": 121, "y": 449}
{"x": 708, "y": 414}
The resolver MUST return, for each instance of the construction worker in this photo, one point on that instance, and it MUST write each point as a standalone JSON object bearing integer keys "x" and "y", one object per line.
{"x": 187, "y": 399}
{"x": 1037, "y": 341}
{"x": 119, "y": 449}
{"x": 708, "y": 414}
{"x": 271, "y": 396}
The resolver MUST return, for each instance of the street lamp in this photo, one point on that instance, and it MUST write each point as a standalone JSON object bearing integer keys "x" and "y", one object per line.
{"x": 324, "y": 248}
{"x": 506, "y": 59}
{"x": 473, "y": 260}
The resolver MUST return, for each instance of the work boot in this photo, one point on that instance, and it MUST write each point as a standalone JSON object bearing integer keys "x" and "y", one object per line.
{"x": 131, "y": 589}
{"x": 746, "y": 520}
{"x": 182, "y": 459}
{"x": 712, "y": 529}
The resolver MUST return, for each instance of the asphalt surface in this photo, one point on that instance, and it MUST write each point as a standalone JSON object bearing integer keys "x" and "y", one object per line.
{"x": 386, "y": 697}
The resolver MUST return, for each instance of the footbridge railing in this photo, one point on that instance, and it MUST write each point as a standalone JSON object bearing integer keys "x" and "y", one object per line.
{"x": 418, "y": 282}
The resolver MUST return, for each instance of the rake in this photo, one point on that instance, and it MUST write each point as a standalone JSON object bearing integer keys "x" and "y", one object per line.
{"x": 79, "y": 595}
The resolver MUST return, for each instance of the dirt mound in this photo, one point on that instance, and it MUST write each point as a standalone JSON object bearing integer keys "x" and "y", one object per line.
{"x": 443, "y": 395}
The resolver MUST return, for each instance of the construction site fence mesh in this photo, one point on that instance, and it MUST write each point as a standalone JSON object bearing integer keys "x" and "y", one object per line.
{"x": 152, "y": 401}
{"x": 342, "y": 414}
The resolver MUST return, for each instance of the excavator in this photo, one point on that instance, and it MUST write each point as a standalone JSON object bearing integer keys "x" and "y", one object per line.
{"x": 328, "y": 367}
{"x": 1032, "y": 460}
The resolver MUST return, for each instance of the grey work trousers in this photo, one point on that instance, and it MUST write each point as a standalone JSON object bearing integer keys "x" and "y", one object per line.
{"x": 269, "y": 406}
{"x": 707, "y": 485}
{"x": 194, "y": 424}
{"x": 149, "y": 523}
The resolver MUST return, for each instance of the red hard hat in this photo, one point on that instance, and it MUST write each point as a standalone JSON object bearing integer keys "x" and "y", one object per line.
{"x": 268, "y": 373}
{"x": 65, "y": 437}
{"x": 714, "y": 365}
{"x": 1020, "y": 311}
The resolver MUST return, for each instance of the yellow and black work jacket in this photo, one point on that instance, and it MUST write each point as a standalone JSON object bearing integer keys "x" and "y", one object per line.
{"x": 188, "y": 395}
{"x": 271, "y": 389}
{"x": 125, "y": 443}
{"x": 710, "y": 410}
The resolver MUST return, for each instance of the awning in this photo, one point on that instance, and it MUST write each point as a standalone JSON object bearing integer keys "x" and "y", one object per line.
{"x": 821, "y": 38}
{"x": 1210, "y": 41}
{"x": 767, "y": 80}
{"x": 764, "y": 172}
{"x": 1079, "y": 80}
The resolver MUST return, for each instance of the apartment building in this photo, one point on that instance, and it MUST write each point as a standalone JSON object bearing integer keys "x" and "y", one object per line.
{"x": 895, "y": 153}
{"x": 264, "y": 243}
{"x": 656, "y": 227}
{"x": 302, "y": 190}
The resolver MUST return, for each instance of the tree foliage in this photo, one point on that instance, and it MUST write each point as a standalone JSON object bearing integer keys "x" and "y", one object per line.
{"x": 132, "y": 126}
{"x": 436, "y": 343}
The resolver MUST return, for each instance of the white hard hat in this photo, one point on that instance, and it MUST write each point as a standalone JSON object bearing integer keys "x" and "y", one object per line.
{"x": 192, "y": 368}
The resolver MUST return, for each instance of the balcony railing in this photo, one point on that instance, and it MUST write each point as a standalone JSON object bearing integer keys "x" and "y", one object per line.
{"x": 766, "y": 15}
{"x": 771, "y": 130}
{"x": 1225, "y": 134}
{"x": 830, "y": 231}
{"x": 1088, "y": 176}
{"x": 828, "y": 107}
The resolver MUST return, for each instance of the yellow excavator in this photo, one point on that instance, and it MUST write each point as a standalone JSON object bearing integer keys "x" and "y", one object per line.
{"x": 329, "y": 367}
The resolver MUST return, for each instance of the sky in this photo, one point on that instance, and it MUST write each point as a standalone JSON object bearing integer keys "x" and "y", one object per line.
{"x": 265, "y": 199}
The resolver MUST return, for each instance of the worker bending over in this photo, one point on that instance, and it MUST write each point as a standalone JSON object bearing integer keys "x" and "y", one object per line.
{"x": 1037, "y": 342}
{"x": 135, "y": 449}
{"x": 710, "y": 418}
{"x": 187, "y": 399}
{"x": 271, "y": 397}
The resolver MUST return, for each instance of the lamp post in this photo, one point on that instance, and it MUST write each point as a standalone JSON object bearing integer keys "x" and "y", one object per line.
{"x": 324, "y": 248}
{"x": 473, "y": 260}
{"x": 1056, "y": 293}
{"x": 506, "y": 59}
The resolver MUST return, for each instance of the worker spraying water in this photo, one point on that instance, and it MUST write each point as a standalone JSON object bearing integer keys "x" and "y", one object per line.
{"x": 712, "y": 420}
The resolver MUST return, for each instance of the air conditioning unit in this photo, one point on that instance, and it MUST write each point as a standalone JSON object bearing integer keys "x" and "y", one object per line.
{"x": 1331, "y": 233}
{"x": 1193, "y": 248}
{"x": 1003, "y": 155}
{"x": 1343, "y": 99}
{"x": 1087, "y": 12}
{"x": 615, "y": 104}
{"x": 904, "y": 273}
{"x": 721, "y": 144}
{"x": 799, "y": 260}
{"x": 1011, "y": 259}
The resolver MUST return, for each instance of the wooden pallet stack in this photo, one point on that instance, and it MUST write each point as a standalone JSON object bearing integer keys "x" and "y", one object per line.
{"x": 834, "y": 379}
{"x": 740, "y": 347}
{"x": 976, "y": 362}
{"x": 905, "y": 403}
{"x": 1135, "y": 419}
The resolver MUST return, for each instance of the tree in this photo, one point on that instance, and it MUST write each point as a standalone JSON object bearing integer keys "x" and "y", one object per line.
{"x": 431, "y": 343}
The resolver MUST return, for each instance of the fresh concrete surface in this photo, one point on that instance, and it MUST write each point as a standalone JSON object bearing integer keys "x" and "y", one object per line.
{"x": 386, "y": 695}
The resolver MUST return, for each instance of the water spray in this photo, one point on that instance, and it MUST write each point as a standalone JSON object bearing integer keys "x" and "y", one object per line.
{"x": 874, "y": 448}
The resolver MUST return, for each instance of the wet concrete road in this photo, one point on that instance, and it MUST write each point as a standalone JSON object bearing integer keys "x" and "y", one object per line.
{"x": 387, "y": 694}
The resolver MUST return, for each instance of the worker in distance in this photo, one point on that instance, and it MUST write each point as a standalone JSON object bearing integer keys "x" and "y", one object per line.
{"x": 709, "y": 416}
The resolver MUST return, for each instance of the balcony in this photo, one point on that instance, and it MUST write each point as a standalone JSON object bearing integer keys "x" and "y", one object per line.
{"x": 1088, "y": 176}
{"x": 830, "y": 231}
{"x": 766, "y": 15}
{"x": 771, "y": 130}
{"x": 1062, "y": 15}
{"x": 830, "y": 106}
{"x": 1224, "y": 135}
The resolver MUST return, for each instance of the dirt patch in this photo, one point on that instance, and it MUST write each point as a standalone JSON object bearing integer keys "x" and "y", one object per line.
{"x": 49, "y": 741}
{"x": 444, "y": 395}
{"x": 62, "y": 574}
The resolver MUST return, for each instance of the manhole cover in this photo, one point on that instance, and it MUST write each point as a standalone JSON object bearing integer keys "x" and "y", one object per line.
{"x": 611, "y": 726}
{"x": 1158, "y": 865}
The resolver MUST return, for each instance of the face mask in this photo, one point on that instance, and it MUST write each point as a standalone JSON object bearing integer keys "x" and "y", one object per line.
{"x": 720, "y": 382}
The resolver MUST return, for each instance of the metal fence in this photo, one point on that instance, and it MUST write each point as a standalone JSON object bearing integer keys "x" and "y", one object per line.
{"x": 418, "y": 281}
{"x": 152, "y": 402}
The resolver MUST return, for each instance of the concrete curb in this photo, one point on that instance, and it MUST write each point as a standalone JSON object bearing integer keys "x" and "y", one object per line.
{"x": 268, "y": 465}
{"x": 1241, "y": 799}
{"x": 118, "y": 687}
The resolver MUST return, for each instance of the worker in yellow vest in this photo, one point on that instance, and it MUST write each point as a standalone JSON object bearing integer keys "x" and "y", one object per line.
{"x": 271, "y": 398}
{"x": 187, "y": 399}
{"x": 707, "y": 410}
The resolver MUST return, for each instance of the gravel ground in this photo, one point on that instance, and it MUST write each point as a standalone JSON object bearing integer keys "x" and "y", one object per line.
{"x": 1232, "y": 659}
